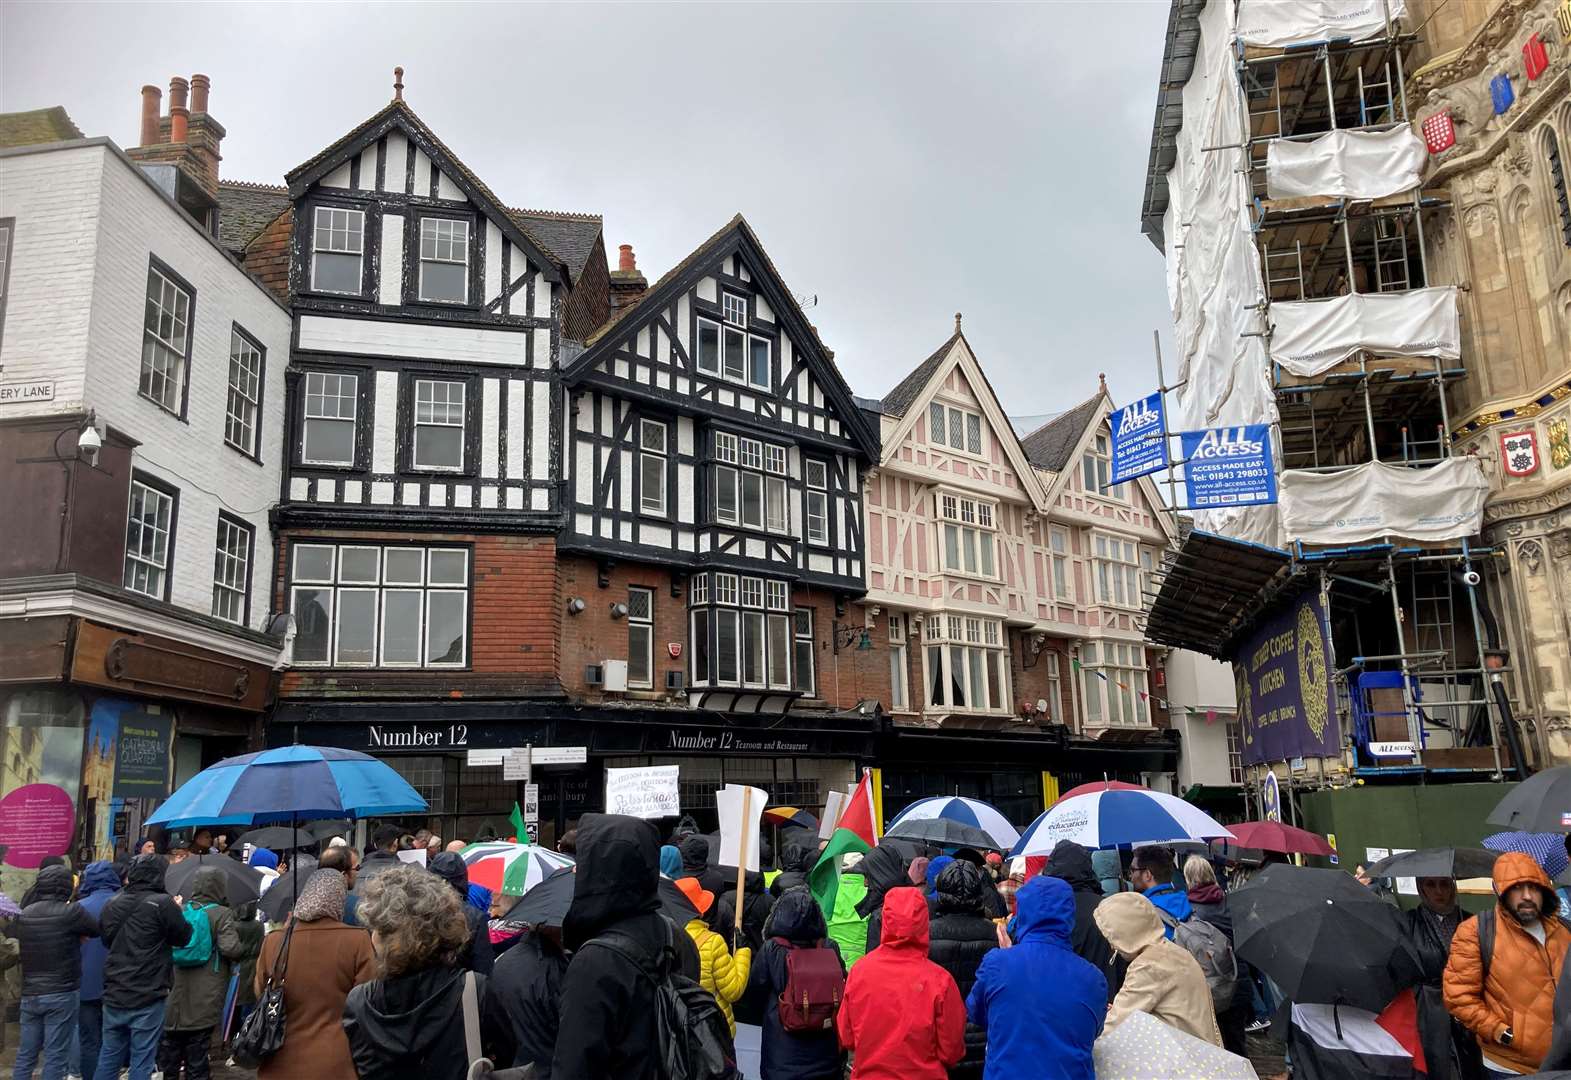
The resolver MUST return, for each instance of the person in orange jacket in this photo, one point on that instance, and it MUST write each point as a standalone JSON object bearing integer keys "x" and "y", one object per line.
{"x": 1509, "y": 1007}
{"x": 902, "y": 1017}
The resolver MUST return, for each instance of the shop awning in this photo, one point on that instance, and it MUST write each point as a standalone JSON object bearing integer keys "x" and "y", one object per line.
{"x": 1211, "y": 589}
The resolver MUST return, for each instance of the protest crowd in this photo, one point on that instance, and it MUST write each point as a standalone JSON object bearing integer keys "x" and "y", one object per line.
{"x": 643, "y": 949}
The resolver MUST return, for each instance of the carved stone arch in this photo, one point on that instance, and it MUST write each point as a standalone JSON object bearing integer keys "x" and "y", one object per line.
{"x": 1553, "y": 151}
{"x": 1517, "y": 204}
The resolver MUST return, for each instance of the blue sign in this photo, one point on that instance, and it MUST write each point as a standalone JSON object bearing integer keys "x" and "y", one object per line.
{"x": 1228, "y": 467}
{"x": 1139, "y": 439}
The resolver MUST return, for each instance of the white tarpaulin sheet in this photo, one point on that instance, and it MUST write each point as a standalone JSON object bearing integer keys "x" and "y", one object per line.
{"x": 1346, "y": 164}
{"x": 1279, "y": 23}
{"x": 1309, "y": 336}
{"x": 1376, "y": 500}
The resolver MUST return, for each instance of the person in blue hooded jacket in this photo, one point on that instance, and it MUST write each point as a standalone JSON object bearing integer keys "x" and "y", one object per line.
{"x": 1151, "y": 873}
{"x": 1041, "y": 1004}
{"x": 100, "y": 882}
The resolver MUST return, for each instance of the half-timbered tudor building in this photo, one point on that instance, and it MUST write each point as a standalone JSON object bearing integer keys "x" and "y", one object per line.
{"x": 989, "y": 579}
{"x": 712, "y": 537}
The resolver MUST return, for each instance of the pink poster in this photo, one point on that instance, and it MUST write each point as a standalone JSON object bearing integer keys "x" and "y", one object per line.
{"x": 36, "y": 821}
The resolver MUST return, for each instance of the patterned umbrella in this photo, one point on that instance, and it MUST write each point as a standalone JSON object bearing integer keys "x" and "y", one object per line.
{"x": 511, "y": 868}
{"x": 1142, "y": 1047}
{"x": 790, "y": 815}
{"x": 972, "y": 812}
{"x": 1547, "y": 848}
{"x": 1107, "y": 818}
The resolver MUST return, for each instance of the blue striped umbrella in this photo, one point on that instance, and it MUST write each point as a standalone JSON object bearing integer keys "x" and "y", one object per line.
{"x": 1102, "y": 819}
{"x": 1548, "y": 849}
{"x": 973, "y": 812}
{"x": 291, "y": 783}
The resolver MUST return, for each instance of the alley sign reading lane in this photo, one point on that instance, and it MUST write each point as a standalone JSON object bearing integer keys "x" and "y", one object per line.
{"x": 1139, "y": 439}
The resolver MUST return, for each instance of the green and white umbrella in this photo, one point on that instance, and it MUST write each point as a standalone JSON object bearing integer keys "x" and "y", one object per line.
{"x": 514, "y": 869}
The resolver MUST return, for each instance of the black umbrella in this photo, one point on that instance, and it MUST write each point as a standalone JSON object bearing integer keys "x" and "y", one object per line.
{"x": 279, "y": 899}
{"x": 243, "y": 882}
{"x": 945, "y": 832}
{"x": 1461, "y": 862}
{"x": 546, "y": 904}
{"x": 277, "y": 838}
{"x": 328, "y": 828}
{"x": 1324, "y": 938}
{"x": 1541, "y": 803}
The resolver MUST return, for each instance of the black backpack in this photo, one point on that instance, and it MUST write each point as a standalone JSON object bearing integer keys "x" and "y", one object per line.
{"x": 690, "y": 1030}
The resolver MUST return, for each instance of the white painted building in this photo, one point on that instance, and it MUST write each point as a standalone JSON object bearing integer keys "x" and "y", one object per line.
{"x": 1203, "y": 707}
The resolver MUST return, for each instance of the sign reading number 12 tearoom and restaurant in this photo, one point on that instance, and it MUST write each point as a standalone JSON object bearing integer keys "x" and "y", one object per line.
{"x": 1139, "y": 439}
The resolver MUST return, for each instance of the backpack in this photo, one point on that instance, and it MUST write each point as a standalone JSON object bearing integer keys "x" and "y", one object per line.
{"x": 691, "y": 1032}
{"x": 814, "y": 986}
{"x": 1211, "y": 949}
{"x": 199, "y": 950}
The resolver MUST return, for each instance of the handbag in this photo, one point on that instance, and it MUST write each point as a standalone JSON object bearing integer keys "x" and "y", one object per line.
{"x": 262, "y": 1034}
{"x": 480, "y": 1067}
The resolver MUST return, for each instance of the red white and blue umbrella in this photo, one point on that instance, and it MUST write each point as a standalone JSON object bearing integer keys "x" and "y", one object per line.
{"x": 1102, "y": 819}
{"x": 973, "y": 812}
{"x": 291, "y": 783}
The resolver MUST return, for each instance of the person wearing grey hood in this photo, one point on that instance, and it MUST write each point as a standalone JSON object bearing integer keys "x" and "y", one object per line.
{"x": 477, "y": 956}
{"x": 47, "y": 931}
{"x": 196, "y": 1000}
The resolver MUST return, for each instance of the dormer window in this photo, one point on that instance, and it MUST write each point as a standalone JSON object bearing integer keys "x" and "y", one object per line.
{"x": 444, "y": 260}
{"x": 337, "y": 248}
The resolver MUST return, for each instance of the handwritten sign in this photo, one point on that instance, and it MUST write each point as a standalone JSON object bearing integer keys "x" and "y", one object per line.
{"x": 647, "y": 792}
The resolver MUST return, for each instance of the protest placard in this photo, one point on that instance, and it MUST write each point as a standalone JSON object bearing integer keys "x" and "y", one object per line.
{"x": 834, "y": 806}
{"x": 740, "y": 807}
{"x": 646, "y": 792}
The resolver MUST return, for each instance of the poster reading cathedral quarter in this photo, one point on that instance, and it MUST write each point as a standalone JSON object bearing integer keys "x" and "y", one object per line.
{"x": 131, "y": 746}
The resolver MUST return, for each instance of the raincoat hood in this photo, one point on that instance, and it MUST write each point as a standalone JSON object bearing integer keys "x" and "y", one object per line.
{"x": 905, "y": 920}
{"x": 147, "y": 874}
{"x": 797, "y": 918}
{"x": 53, "y": 883}
{"x": 1045, "y": 911}
{"x": 670, "y": 861}
{"x": 209, "y": 886}
{"x": 618, "y": 875}
{"x": 1515, "y": 868}
{"x": 451, "y": 868}
{"x": 99, "y": 877}
{"x": 1129, "y": 922}
{"x": 798, "y": 858}
{"x": 959, "y": 888}
{"x": 694, "y": 851}
{"x": 936, "y": 867}
{"x": 883, "y": 868}
{"x": 1071, "y": 863}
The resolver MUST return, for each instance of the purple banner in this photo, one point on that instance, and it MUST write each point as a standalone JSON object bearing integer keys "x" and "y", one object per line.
{"x": 1286, "y": 699}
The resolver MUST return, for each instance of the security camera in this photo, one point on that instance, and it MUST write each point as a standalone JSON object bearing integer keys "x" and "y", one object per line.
{"x": 88, "y": 443}
{"x": 1471, "y": 578}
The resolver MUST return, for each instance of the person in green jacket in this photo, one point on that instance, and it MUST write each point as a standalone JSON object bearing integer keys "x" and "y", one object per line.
{"x": 846, "y": 927}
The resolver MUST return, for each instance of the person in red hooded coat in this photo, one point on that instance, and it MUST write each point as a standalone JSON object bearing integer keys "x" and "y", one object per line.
{"x": 902, "y": 1017}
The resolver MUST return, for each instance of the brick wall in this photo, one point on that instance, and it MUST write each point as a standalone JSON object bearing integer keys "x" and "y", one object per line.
{"x": 1030, "y": 676}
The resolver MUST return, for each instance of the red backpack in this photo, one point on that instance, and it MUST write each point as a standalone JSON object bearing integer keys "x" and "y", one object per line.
{"x": 815, "y": 983}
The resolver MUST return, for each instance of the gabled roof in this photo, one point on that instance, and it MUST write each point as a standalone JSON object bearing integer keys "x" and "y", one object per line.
{"x": 397, "y": 113}
{"x": 1050, "y": 446}
{"x": 245, "y": 209}
{"x": 570, "y": 237}
{"x": 686, "y": 273}
{"x": 37, "y": 126}
{"x": 898, "y": 400}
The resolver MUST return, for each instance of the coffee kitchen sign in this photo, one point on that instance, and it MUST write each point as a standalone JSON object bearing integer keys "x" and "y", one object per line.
{"x": 1286, "y": 698}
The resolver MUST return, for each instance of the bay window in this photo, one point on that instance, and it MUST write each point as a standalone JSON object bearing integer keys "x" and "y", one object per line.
{"x": 967, "y": 665}
{"x": 1115, "y": 680}
{"x": 749, "y": 483}
{"x": 967, "y": 535}
{"x": 363, "y": 605}
{"x": 742, "y": 631}
{"x": 1116, "y": 566}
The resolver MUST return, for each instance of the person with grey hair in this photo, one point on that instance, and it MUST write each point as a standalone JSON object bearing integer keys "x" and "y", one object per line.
{"x": 1210, "y": 905}
{"x": 409, "y": 1020}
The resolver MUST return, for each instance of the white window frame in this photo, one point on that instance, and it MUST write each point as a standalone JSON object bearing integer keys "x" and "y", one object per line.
{"x": 150, "y": 545}
{"x": 1063, "y": 569}
{"x": 1107, "y": 703}
{"x": 899, "y": 689}
{"x": 437, "y": 242}
{"x": 167, "y": 327}
{"x": 1116, "y": 572}
{"x": 431, "y": 584}
{"x": 970, "y": 428}
{"x": 698, "y": 350}
{"x": 232, "y": 570}
{"x": 972, "y": 524}
{"x": 1096, "y": 469}
{"x": 733, "y": 308}
{"x": 969, "y": 654}
{"x": 760, "y": 610}
{"x": 446, "y": 406}
{"x": 641, "y": 626}
{"x": 816, "y": 497}
{"x": 317, "y": 247}
{"x": 322, "y": 396}
{"x": 804, "y": 675}
{"x": 243, "y": 406}
{"x": 651, "y": 454}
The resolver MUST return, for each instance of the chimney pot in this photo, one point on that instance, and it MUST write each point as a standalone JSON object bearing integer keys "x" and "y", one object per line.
{"x": 624, "y": 258}
{"x": 177, "y": 92}
{"x": 179, "y": 121}
{"x": 199, "y": 87}
{"x": 152, "y": 99}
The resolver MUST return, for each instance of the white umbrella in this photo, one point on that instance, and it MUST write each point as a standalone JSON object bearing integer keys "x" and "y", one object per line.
{"x": 1142, "y": 1047}
{"x": 511, "y": 868}
{"x": 1100, "y": 819}
{"x": 973, "y": 812}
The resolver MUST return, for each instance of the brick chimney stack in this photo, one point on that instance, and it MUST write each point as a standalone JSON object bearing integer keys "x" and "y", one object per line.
{"x": 628, "y": 284}
{"x": 152, "y": 107}
{"x": 187, "y": 138}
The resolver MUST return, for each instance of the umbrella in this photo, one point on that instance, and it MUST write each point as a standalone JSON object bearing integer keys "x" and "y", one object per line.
{"x": 546, "y": 904}
{"x": 278, "y": 838}
{"x": 1100, "y": 785}
{"x": 945, "y": 832}
{"x": 1548, "y": 849}
{"x": 1142, "y": 1047}
{"x": 790, "y": 816}
{"x": 511, "y": 868}
{"x": 329, "y": 828}
{"x": 1102, "y": 819}
{"x": 1461, "y": 862}
{"x": 1324, "y": 938}
{"x": 1541, "y": 803}
{"x": 1275, "y": 836}
{"x": 279, "y": 899}
{"x": 243, "y": 882}
{"x": 973, "y": 812}
{"x": 288, "y": 784}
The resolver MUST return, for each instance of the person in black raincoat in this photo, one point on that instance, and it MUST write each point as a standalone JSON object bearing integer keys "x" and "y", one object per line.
{"x": 883, "y": 868}
{"x": 450, "y": 867}
{"x": 796, "y": 862}
{"x": 1449, "y": 1048}
{"x": 792, "y": 1055}
{"x": 1071, "y": 863}
{"x": 756, "y": 903}
{"x": 959, "y": 936}
{"x": 526, "y": 992}
{"x": 695, "y": 863}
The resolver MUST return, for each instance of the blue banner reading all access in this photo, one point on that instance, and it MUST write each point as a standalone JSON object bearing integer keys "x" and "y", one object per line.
{"x": 1139, "y": 439}
{"x": 1228, "y": 467}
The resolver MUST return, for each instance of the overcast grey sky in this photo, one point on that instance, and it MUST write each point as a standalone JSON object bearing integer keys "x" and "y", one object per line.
{"x": 901, "y": 162}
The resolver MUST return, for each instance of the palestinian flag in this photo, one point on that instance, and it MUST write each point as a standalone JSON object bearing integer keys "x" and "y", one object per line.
{"x": 1328, "y": 1042}
{"x": 857, "y": 830}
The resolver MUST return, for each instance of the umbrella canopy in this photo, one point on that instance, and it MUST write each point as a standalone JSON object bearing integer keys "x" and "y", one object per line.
{"x": 511, "y": 868}
{"x": 1547, "y": 849}
{"x": 243, "y": 882}
{"x": 945, "y": 832}
{"x": 1323, "y": 937}
{"x": 1102, "y": 819}
{"x": 546, "y": 904}
{"x": 1541, "y": 803}
{"x": 790, "y": 815}
{"x": 1460, "y": 862}
{"x": 1142, "y": 1047}
{"x": 1100, "y": 785}
{"x": 1275, "y": 836}
{"x": 278, "y": 838}
{"x": 973, "y": 812}
{"x": 287, "y": 784}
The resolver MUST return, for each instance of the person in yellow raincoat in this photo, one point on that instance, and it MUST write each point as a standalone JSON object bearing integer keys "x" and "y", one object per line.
{"x": 720, "y": 972}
